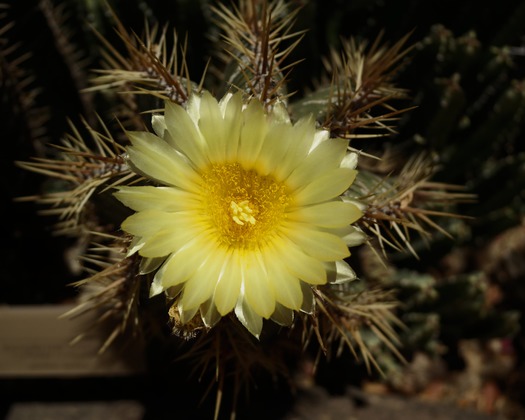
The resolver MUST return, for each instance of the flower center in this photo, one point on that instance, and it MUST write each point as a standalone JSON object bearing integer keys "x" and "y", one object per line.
{"x": 244, "y": 207}
{"x": 242, "y": 212}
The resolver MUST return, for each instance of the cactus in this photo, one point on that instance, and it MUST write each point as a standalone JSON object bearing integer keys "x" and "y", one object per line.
{"x": 432, "y": 118}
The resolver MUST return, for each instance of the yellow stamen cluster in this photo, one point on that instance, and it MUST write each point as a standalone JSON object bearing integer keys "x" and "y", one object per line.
{"x": 245, "y": 207}
{"x": 242, "y": 212}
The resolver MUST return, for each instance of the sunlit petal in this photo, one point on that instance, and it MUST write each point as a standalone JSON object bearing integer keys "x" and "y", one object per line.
{"x": 327, "y": 186}
{"x": 185, "y": 135}
{"x": 326, "y": 214}
{"x": 322, "y": 246}
{"x": 229, "y": 284}
{"x": 158, "y": 160}
{"x": 167, "y": 199}
{"x": 258, "y": 290}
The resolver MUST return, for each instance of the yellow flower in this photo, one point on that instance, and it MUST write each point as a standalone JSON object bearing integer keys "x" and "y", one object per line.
{"x": 245, "y": 214}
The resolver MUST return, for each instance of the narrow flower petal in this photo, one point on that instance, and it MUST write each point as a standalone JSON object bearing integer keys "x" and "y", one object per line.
{"x": 252, "y": 321}
{"x": 323, "y": 158}
{"x": 351, "y": 235}
{"x": 350, "y": 160}
{"x": 320, "y": 137}
{"x": 257, "y": 289}
{"x": 308, "y": 305}
{"x": 212, "y": 127}
{"x": 181, "y": 265}
{"x": 286, "y": 286}
{"x": 328, "y": 214}
{"x": 158, "y": 124}
{"x": 158, "y": 160}
{"x": 210, "y": 315}
{"x": 299, "y": 264}
{"x": 148, "y": 265}
{"x": 233, "y": 119}
{"x": 322, "y": 246}
{"x": 330, "y": 185}
{"x": 187, "y": 314}
{"x": 193, "y": 108}
{"x": 136, "y": 244}
{"x": 229, "y": 284}
{"x": 156, "y": 287}
{"x": 200, "y": 286}
{"x": 167, "y": 199}
{"x": 184, "y": 135}
{"x": 273, "y": 148}
{"x": 172, "y": 236}
{"x": 149, "y": 222}
{"x": 339, "y": 272}
{"x": 253, "y": 133}
{"x": 303, "y": 134}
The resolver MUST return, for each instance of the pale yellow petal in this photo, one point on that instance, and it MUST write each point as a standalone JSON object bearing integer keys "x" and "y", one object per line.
{"x": 136, "y": 243}
{"x": 158, "y": 160}
{"x": 156, "y": 287}
{"x": 149, "y": 222}
{"x": 320, "y": 137}
{"x": 351, "y": 235}
{"x": 308, "y": 305}
{"x": 158, "y": 124}
{"x": 320, "y": 245}
{"x": 185, "y": 135}
{"x": 148, "y": 265}
{"x": 163, "y": 233}
{"x": 286, "y": 286}
{"x": 168, "y": 199}
{"x": 350, "y": 160}
{"x": 201, "y": 285}
{"x": 273, "y": 148}
{"x": 229, "y": 285}
{"x": 212, "y": 127}
{"x": 326, "y": 187}
{"x": 252, "y": 134}
{"x": 326, "y": 156}
{"x": 181, "y": 265}
{"x": 300, "y": 142}
{"x": 233, "y": 119}
{"x": 299, "y": 264}
{"x": 164, "y": 243}
{"x": 252, "y": 321}
{"x": 349, "y": 197}
{"x": 339, "y": 272}
{"x": 279, "y": 112}
{"x": 193, "y": 108}
{"x": 258, "y": 291}
{"x": 226, "y": 99}
{"x": 329, "y": 214}
{"x": 210, "y": 315}
{"x": 187, "y": 314}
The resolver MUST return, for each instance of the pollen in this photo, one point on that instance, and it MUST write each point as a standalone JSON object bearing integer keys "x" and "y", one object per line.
{"x": 242, "y": 212}
{"x": 243, "y": 207}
